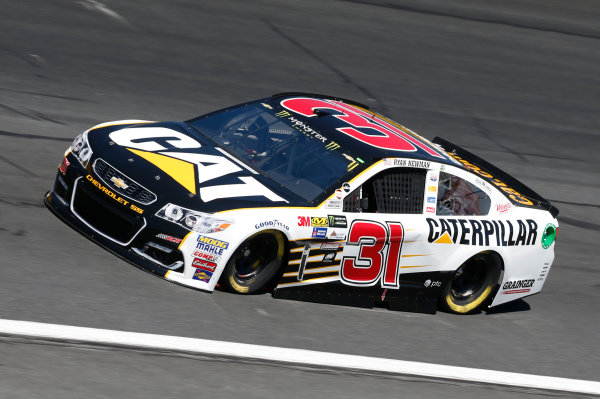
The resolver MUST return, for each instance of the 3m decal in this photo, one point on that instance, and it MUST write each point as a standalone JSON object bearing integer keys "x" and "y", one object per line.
{"x": 303, "y": 221}
{"x": 378, "y": 254}
{"x": 112, "y": 195}
{"x": 482, "y": 232}
{"x": 361, "y": 125}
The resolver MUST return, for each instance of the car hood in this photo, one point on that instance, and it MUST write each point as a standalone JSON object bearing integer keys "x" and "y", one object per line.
{"x": 181, "y": 166}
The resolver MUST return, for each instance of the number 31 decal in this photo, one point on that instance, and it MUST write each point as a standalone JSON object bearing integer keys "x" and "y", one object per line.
{"x": 362, "y": 125}
{"x": 378, "y": 255}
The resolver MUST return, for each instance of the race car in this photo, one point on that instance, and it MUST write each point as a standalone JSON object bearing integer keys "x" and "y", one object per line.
{"x": 312, "y": 198}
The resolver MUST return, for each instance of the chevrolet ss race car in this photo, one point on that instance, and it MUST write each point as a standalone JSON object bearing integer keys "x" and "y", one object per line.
{"x": 313, "y": 197}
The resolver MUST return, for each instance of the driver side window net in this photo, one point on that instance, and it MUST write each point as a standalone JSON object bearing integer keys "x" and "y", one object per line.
{"x": 457, "y": 196}
{"x": 397, "y": 190}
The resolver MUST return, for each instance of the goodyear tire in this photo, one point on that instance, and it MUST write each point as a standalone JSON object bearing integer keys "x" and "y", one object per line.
{"x": 254, "y": 263}
{"x": 472, "y": 284}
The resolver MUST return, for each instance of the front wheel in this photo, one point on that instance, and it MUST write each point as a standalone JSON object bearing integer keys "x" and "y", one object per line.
{"x": 472, "y": 284}
{"x": 254, "y": 263}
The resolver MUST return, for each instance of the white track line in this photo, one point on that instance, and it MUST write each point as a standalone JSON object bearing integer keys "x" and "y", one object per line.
{"x": 294, "y": 356}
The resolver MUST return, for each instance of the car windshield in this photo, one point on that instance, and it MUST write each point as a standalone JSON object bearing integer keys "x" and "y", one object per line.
{"x": 279, "y": 146}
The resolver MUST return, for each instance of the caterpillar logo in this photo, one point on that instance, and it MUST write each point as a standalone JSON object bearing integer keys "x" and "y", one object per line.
{"x": 501, "y": 233}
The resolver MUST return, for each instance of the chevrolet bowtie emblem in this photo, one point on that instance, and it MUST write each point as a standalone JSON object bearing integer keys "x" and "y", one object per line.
{"x": 118, "y": 182}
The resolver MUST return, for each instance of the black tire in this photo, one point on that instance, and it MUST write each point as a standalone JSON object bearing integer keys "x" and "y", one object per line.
{"x": 254, "y": 263}
{"x": 472, "y": 284}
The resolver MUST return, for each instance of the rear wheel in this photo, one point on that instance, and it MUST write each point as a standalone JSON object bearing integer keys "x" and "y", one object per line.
{"x": 472, "y": 284}
{"x": 254, "y": 263}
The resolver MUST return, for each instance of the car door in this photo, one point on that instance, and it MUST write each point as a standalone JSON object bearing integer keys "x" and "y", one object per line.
{"x": 387, "y": 233}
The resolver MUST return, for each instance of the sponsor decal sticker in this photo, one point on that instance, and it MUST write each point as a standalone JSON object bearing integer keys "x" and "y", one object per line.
{"x": 333, "y": 204}
{"x": 319, "y": 221}
{"x": 272, "y": 223}
{"x": 431, "y": 200}
{"x": 202, "y": 275}
{"x": 212, "y": 246}
{"x": 337, "y": 235}
{"x": 549, "y": 235}
{"x": 327, "y": 246}
{"x": 63, "y": 166}
{"x": 204, "y": 265}
{"x": 319, "y": 232}
{"x": 166, "y": 237}
{"x": 433, "y": 178}
{"x": 206, "y": 256}
{"x": 430, "y": 209}
{"x": 338, "y": 194}
{"x": 432, "y": 188}
{"x": 502, "y": 233}
{"x": 428, "y": 283}
{"x": 346, "y": 187}
{"x": 337, "y": 221}
{"x": 517, "y": 286}
{"x": 503, "y": 207}
{"x": 329, "y": 257}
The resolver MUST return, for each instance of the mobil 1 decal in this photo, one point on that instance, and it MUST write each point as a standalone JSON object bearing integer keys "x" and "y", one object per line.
{"x": 372, "y": 254}
{"x": 362, "y": 125}
{"x": 502, "y": 233}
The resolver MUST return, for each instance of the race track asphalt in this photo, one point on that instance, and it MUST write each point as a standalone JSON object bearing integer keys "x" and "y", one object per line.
{"x": 515, "y": 82}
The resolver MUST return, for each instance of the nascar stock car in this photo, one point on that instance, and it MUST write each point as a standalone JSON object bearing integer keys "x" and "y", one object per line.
{"x": 312, "y": 197}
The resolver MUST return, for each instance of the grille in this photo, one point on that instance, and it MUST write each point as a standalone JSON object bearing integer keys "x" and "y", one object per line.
{"x": 400, "y": 191}
{"x": 104, "y": 215}
{"x": 133, "y": 190}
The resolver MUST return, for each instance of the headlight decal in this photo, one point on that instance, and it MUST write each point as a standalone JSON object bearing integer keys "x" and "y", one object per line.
{"x": 81, "y": 149}
{"x": 193, "y": 220}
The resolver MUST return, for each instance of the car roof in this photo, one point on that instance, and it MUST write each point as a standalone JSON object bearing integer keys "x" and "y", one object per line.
{"x": 327, "y": 121}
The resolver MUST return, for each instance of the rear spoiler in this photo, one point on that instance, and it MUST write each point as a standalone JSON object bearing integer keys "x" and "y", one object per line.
{"x": 518, "y": 193}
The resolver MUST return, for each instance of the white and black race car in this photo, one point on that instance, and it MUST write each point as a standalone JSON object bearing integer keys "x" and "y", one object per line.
{"x": 313, "y": 197}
